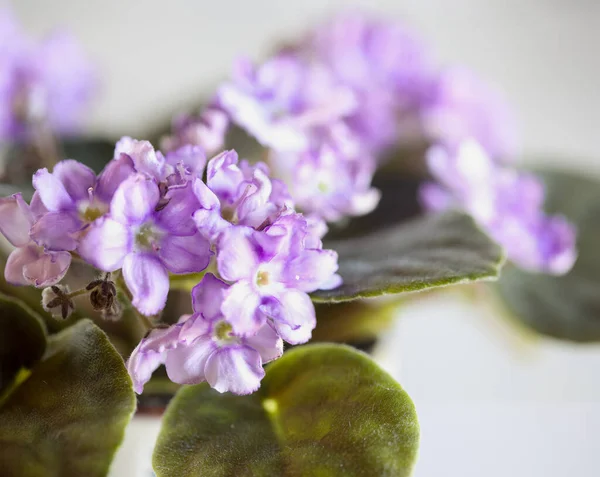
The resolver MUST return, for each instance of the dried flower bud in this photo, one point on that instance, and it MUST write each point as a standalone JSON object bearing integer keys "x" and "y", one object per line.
{"x": 114, "y": 312}
{"x": 103, "y": 295}
{"x": 56, "y": 300}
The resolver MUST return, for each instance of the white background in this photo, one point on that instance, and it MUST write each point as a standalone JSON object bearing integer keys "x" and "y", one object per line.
{"x": 492, "y": 401}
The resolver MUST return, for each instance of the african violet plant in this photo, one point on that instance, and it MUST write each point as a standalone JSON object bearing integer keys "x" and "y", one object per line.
{"x": 101, "y": 246}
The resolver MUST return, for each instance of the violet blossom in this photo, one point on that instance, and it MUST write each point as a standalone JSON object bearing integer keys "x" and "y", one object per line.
{"x": 147, "y": 241}
{"x": 202, "y": 347}
{"x": 506, "y": 203}
{"x": 47, "y": 84}
{"x": 28, "y": 263}
{"x": 273, "y": 270}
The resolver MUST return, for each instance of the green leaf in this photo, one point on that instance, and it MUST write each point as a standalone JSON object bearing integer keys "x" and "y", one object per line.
{"x": 429, "y": 252}
{"x": 22, "y": 343}
{"x": 358, "y": 322}
{"x": 322, "y": 410}
{"x": 69, "y": 416}
{"x": 565, "y": 307}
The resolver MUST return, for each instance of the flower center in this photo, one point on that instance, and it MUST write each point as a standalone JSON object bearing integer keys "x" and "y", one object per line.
{"x": 262, "y": 278}
{"x": 146, "y": 237}
{"x": 229, "y": 214}
{"x": 323, "y": 187}
{"x": 223, "y": 333}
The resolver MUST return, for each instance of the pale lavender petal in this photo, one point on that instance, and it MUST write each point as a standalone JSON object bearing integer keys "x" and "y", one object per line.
{"x": 236, "y": 258}
{"x": 223, "y": 176}
{"x": 76, "y": 178}
{"x": 150, "y": 353}
{"x": 237, "y": 369}
{"x": 143, "y": 155}
{"x": 186, "y": 364}
{"x": 188, "y": 254}
{"x": 148, "y": 282}
{"x": 17, "y": 260}
{"x": 56, "y": 231}
{"x": 311, "y": 269}
{"x": 15, "y": 220}
{"x": 267, "y": 342}
{"x": 210, "y": 223}
{"x": 208, "y": 296}
{"x": 188, "y": 156}
{"x": 48, "y": 270}
{"x": 205, "y": 196}
{"x": 52, "y": 191}
{"x": 294, "y": 318}
{"x": 115, "y": 172}
{"x": 176, "y": 217}
{"x": 241, "y": 309}
{"x": 134, "y": 200}
{"x": 36, "y": 206}
{"x": 105, "y": 244}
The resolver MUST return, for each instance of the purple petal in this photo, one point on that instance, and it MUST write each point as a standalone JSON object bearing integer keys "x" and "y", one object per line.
{"x": 206, "y": 197}
{"x": 267, "y": 342}
{"x": 190, "y": 157}
{"x": 148, "y": 282}
{"x": 241, "y": 309}
{"x": 223, "y": 176}
{"x": 237, "y": 369}
{"x": 187, "y": 254}
{"x": 48, "y": 270}
{"x": 208, "y": 296}
{"x": 210, "y": 223}
{"x": 52, "y": 192}
{"x": 17, "y": 260}
{"x": 105, "y": 244}
{"x": 36, "y": 206}
{"x": 15, "y": 220}
{"x": 55, "y": 231}
{"x": 294, "y": 318}
{"x": 76, "y": 178}
{"x": 311, "y": 269}
{"x": 150, "y": 353}
{"x": 115, "y": 172}
{"x": 185, "y": 365}
{"x": 134, "y": 200}
{"x": 176, "y": 217}
{"x": 236, "y": 258}
{"x": 143, "y": 155}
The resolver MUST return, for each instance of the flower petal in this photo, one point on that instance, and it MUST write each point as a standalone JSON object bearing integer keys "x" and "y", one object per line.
{"x": 115, "y": 172}
{"x": 188, "y": 254}
{"x": 294, "y": 317}
{"x": 15, "y": 220}
{"x": 208, "y": 295}
{"x": 17, "y": 260}
{"x": 143, "y": 155}
{"x": 311, "y": 269}
{"x": 55, "y": 230}
{"x": 105, "y": 244}
{"x": 241, "y": 309}
{"x": 48, "y": 270}
{"x": 176, "y": 217}
{"x": 267, "y": 342}
{"x": 76, "y": 178}
{"x": 185, "y": 365}
{"x": 52, "y": 191}
{"x": 236, "y": 258}
{"x": 148, "y": 282}
{"x": 134, "y": 200}
{"x": 236, "y": 368}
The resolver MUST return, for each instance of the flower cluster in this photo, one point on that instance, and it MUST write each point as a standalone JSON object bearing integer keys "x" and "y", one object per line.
{"x": 508, "y": 205}
{"x": 148, "y": 215}
{"x": 41, "y": 84}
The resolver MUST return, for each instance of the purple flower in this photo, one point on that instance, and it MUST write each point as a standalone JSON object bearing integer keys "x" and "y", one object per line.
{"x": 74, "y": 198}
{"x": 206, "y": 130}
{"x": 203, "y": 347}
{"x": 28, "y": 264}
{"x": 332, "y": 178}
{"x": 280, "y": 101}
{"x": 51, "y": 82}
{"x": 506, "y": 203}
{"x": 272, "y": 273}
{"x": 237, "y": 194}
{"x": 460, "y": 106}
{"x": 147, "y": 240}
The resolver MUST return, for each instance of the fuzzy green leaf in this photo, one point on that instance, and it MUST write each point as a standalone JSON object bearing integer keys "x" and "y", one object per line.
{"x": 322, "y": 410}
{"x": 429, "y": 252}
{"x": 69, "y": 416}
{"x": 565, "y": 307}
{"x": 22, "y": 342}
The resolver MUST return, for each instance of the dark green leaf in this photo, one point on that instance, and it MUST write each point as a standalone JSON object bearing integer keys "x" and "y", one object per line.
{"x": 433, "y": 251}
{"x": 69, "y": 416}
{"x": 22, "y": 342}
{"x": 566, "y": 307}
{"x": 355, "y": 322}
{"x": 322, "y": 410}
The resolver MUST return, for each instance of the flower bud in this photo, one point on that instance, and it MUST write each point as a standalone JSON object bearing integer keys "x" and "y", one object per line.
{"x": 56, "y": 301}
